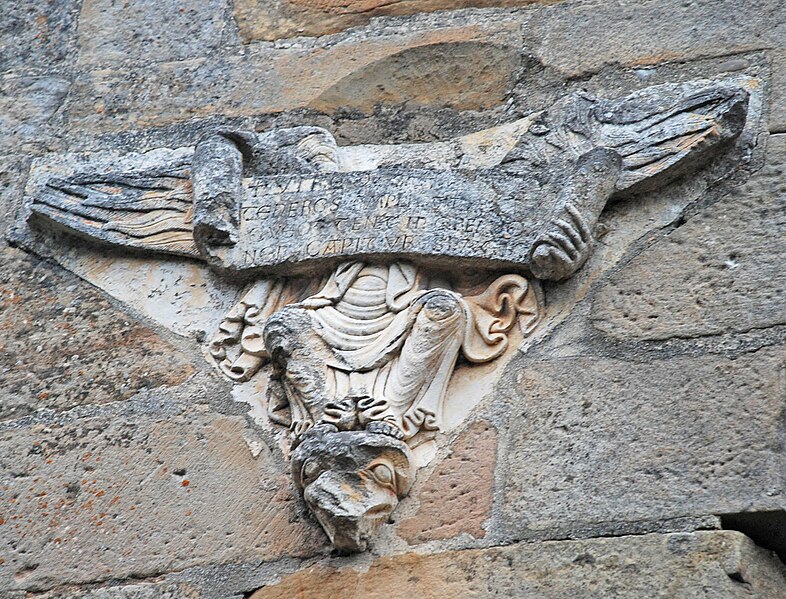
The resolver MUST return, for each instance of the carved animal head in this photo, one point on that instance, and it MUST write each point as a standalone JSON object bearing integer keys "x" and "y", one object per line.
{"x": 351, "y": 481}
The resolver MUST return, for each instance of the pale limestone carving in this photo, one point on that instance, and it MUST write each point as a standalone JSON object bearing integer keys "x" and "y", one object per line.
{"x": 351, "y": 481}
{"x": 362, "y": 367}
{"x": 374, "y": 348}
{"x": 355, "y": 304}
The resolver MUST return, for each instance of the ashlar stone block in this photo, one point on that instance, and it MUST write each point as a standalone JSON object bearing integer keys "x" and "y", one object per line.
{"x": 721, "y": 564}
{"x": 139, "y": 489}
{"x": 721, "y": 271}
{"x": 595, "y": 442}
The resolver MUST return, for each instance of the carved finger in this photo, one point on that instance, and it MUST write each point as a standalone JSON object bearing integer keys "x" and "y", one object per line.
{"x": 548, "y": 258}
{"x": 342, "y": 414}
{"x": 371, "y": 409}
{"x": 561, "y": 242}
{"x": 571, "y": 231}
{"x": 300, "y": 427}
{"x": 580, "y": 222}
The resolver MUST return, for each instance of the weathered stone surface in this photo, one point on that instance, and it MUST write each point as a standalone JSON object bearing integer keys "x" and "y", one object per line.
{"x": 37, "y": 35}
{"x": 457, "y": 496}
{"x": 305, "y": 200}
{"x": 366, "y": 361}
{"x": 262, "y": 79}
{"x": 352, "y": 481}
{"x": 261, "y": 20}
{"x": 182, "y": 296}
{"x": 650, "y": 33}
{"x": 705, "y": 564}
{"x": 778, "y": 98}
{"x": 594, "y": 441}
{"x": 138, "y": 489}
{"x": 179, "y": 89}
{"x": 604, "y": 442}
{"x": 721, "y": 271}
{"x": 162, "y": 31}
{"x": 27, "y": 105}
{"x": 408, "y": 212}
{"x": 353, "y": 406}
{"x": 331, "y": 74}
{"x": 63, "y": 344}
{"x": 459, "y": 75}
{"x": 14, "y": 169}
{"x": 164, "y": 590}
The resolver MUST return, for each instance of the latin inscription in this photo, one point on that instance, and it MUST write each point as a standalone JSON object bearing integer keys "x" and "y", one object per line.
{"x": 292, "y": 218}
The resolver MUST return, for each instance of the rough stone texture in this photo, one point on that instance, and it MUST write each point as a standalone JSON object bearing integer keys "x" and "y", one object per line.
{"x": 646, "y": 34}
{"x": 143, "y": 488}
{"x": 27, "y": 106}
{"x": 263, "y": 79}
{"x": 460, "y": 75}
{"x": 164, "y": 30}
{"x": 276, "y": 19}
{"x": 13, "y": 172}
{"x": 37, "y": 35}
{"x": 597, "y": 440}
{"x": 351, "y": 481}
{"x": 721, "y": 271}
{"x": 619, "y": 422}
{"x": 778, "y": 102}
{"x": 391, "y": 200}
{"x": 260, "y": 80}
{"x": 456, "y": 497}
{"x": 164, "y": 590}
{"x": 703, "y": 564}
{"x": 63, "y": 344}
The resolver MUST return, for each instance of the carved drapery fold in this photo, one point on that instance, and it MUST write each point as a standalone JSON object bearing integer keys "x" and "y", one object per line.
{"x": 372, "y": 331}
{"x": 508, "y": 301}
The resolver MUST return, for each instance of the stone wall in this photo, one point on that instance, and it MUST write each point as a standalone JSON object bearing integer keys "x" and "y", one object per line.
{"x": 636, "y": 450}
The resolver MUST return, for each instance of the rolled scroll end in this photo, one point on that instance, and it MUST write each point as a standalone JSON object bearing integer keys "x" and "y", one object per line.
{"x": 217, "y": 172}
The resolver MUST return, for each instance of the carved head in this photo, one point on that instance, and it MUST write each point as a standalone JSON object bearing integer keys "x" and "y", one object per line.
{"x": 351, "y": 481}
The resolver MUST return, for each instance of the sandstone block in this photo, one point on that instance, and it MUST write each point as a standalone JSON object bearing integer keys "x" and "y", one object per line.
{"x": 596, "y": 441}
{"x": 162, "y": 590}
{"x": 63, "y": 344}
{"x": 778, "y": 98}
{"x": 721, "y": 271}
{"x": 138, "y": 489}
{"x": 704, "y": 564}
{"x": 27, "y": 105}
{"x": 161, "y": 30}
{"x": 456, "y": 498}
{"x": 37, "y": 35}
{"x": 650, "y": 33}
{"x": 263, "y": 20}
{"x": 270, "y": 80}
{"x": 461, "y": 75}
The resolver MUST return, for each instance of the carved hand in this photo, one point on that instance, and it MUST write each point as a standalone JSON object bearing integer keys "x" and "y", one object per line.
{"x": 564, "y": 248}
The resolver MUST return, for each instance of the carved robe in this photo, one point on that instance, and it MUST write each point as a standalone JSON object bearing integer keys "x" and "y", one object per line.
{"x": 392, "y": 340}
{"x": 382, "y": 336}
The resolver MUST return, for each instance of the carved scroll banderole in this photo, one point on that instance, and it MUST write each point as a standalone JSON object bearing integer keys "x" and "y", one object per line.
{"x": 282, "y": 201}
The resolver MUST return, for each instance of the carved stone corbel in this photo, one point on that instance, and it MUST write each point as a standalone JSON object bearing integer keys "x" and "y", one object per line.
{"x": 353, "y": 308}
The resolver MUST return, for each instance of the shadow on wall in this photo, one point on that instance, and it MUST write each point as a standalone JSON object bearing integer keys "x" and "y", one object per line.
{"x": 766, "y": 529}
